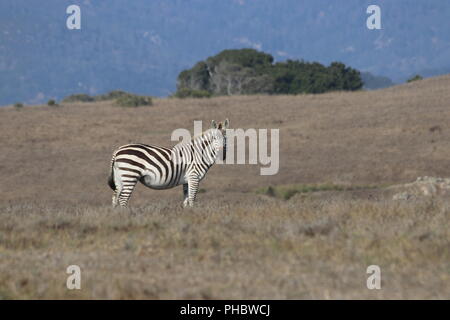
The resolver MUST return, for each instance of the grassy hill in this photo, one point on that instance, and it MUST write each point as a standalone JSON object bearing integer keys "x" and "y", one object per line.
{"x": 55, "y": 204}
{"x": 386, "y": 136}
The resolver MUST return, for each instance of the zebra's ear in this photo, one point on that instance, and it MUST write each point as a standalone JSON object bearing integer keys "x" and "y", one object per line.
{"x": 226, "y": 124}
{"x": 213, "y": 124}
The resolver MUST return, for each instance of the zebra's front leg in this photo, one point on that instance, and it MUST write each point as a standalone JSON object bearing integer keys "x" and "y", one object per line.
{"x": 192, "y": 187}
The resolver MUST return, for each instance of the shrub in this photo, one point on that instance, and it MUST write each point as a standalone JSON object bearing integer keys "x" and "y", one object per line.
{"x": 190, "y": 93}
{"x": 52, "y": 103}
{"x": 122, "y": 98}
{"x": 112, "y": 95}
{"x": 79, "y": 97}
{"x": 132, "y": 100}
{"x": 18, "y": 105}
{"x": 415, "y": 78}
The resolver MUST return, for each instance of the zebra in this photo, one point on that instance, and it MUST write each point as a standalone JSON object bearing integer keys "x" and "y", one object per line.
{"x": 163, "y": 168}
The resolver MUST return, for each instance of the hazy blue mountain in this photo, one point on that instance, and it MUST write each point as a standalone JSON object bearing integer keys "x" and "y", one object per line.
{"x": 372, "y": 82}
{"x": 142, "y": 45}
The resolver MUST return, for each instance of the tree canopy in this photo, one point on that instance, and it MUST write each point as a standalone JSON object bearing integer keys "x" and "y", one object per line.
{"x": 248, "y": 71}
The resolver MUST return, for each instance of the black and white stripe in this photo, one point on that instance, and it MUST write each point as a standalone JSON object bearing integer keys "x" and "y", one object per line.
{"x": 163, "y": 168}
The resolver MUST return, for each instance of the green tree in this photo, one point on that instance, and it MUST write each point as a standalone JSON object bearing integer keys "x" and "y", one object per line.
{"x": 415, "y": 78}
{"x": 248, "y": 71}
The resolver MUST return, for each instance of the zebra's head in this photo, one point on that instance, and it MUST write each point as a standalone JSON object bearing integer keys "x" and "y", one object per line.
{"x": 220, "y": 136}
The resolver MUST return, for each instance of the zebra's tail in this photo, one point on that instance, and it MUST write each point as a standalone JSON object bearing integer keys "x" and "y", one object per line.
{"x": 111, "y": 183}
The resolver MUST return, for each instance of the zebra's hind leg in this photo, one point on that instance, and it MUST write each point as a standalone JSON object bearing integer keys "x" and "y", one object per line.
{"x": 116, "y": 186}
{"x": 185, "y": 194}
{"x": 128, "y": 184}
{"x": 115, "y": 199}
{"x": 116, "y": 193}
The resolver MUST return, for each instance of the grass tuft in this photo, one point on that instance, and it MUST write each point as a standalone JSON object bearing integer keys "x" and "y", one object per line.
{"x": 286, "y": 192}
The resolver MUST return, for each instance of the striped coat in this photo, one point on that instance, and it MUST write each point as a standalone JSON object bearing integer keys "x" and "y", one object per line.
{"x": 163, "y": 168}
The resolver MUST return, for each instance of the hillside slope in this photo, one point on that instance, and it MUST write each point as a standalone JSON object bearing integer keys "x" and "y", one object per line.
{"x": 55, "y": 204}
{"x": 385, "y": 136}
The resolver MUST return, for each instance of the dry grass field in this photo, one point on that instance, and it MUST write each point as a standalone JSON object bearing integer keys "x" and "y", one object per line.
{"x": 237, "y": 243}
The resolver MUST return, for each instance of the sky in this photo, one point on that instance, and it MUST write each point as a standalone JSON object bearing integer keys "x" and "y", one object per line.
{"x": 142, "y": 45}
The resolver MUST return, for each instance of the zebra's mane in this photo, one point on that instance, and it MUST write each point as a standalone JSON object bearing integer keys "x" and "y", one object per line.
{"x": 202, "y": 134}
{"x": 195, "y": 137}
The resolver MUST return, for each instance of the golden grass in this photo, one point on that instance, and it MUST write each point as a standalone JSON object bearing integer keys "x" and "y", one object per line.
{"x": 55, "y": 204}
{"x": 288, "y": 191}
{"x": 299, "y": 249}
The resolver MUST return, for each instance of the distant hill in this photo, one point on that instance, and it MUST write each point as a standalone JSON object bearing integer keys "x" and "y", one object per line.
{"x": 141, "y": 46}
{"x": 372, "y": 82}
